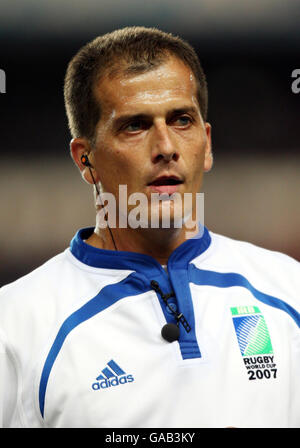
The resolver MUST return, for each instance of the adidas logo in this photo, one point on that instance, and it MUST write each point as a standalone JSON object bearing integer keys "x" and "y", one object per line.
{"x": 112, "y": 375}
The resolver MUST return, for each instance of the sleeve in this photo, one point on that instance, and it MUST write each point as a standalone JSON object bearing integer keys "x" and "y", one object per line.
{"x": 8, "y": 388}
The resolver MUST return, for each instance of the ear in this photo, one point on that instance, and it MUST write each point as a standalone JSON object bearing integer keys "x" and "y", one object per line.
{"x": 79, "y": 147}
{"x": 208, "y": 157}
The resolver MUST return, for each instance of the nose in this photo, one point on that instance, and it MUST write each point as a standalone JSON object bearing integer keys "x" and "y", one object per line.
{"x": 163, "y": 148}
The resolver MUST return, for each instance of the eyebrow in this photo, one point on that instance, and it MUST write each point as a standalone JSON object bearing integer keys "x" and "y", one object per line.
{"x": 123, "y": 119}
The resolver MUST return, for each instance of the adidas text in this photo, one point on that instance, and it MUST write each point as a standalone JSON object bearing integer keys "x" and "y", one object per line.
{"x": 104, "y": 384}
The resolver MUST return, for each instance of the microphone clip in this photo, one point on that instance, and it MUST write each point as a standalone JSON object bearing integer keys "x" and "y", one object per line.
{"x": 178, "y": 316}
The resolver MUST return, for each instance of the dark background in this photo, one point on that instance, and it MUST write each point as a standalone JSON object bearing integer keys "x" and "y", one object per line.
{"x": 248, "y": 51}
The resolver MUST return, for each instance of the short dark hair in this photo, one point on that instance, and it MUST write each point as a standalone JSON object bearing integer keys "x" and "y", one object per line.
{"x": 129, "y": 50}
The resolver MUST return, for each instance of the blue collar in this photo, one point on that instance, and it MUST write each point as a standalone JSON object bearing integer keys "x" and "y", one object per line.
{"x": 102, "y": 258}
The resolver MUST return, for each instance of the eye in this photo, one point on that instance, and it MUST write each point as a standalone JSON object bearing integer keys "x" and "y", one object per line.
{"x": 134, "y": 126}
{"x": 182, "y": 120}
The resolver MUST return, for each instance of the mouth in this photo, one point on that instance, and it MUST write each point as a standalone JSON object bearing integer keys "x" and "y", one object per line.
{"x": 165, "y": 184}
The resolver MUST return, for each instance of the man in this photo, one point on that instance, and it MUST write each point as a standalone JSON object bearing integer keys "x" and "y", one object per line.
{"x": 140, "y": 326}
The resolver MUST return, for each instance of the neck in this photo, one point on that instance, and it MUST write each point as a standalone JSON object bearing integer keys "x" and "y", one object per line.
{"x": 158, "y": 243}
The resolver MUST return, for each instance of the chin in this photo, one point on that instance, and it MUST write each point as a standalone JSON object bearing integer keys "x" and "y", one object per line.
{"x": 166, "y": 215}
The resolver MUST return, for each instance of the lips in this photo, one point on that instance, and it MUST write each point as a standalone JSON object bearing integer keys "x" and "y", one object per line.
{"x": 165, "y": 184}
{"x": 166, "y": 180}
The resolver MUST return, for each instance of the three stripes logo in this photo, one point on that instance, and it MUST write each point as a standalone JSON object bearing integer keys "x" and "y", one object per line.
{"x": 112, "y": 375}
{"x": 254, "y": 342}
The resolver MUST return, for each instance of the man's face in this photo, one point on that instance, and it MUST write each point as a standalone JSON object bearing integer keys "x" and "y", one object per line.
{"x": 151, "y": 136}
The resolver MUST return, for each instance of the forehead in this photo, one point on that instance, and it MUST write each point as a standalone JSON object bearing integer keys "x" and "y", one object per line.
{"x": 168, "y": 84}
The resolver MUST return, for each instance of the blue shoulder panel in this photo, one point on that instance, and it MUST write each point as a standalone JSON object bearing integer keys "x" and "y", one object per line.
{"x": 110, "y": 294}
{"x": 227, "y": 280}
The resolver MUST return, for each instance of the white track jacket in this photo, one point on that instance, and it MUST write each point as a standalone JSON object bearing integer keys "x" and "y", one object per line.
{"x": 81, "y": 344}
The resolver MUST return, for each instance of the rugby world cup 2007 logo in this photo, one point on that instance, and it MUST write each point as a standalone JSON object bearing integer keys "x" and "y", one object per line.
{"x": 254, "y": 342}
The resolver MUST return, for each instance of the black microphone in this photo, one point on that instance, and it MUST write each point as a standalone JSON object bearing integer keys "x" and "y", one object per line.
{"x": 170, "y": 332}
